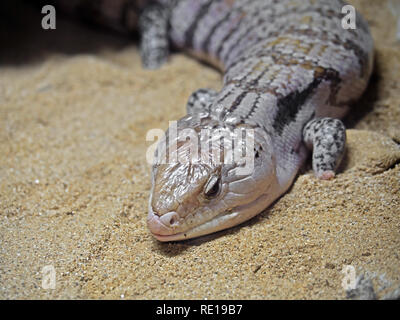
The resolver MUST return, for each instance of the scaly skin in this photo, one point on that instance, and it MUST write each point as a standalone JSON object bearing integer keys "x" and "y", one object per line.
{"x": 285, "y": 63}
{"x": 289, "y": 68}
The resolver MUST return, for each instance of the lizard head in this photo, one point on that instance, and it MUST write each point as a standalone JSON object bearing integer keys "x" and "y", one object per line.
{"x": 197, "y": 193}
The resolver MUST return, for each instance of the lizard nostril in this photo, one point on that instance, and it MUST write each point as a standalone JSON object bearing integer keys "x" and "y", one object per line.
{"x": 169, "y": 219}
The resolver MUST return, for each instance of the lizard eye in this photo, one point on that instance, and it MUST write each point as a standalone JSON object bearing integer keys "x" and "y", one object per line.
{"x": 211, "y": 188}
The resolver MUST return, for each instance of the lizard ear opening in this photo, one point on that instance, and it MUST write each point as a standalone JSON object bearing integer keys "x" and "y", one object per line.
{"x": 211, "y": 188}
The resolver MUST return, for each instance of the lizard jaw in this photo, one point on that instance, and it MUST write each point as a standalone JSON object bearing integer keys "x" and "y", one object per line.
{"x": 220, "y": 222}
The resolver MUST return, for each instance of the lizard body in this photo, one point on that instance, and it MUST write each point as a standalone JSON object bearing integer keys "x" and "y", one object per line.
{"x": 290, "y": 72}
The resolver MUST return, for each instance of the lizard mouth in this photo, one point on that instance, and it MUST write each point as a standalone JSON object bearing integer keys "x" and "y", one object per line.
{"x": 222, "y": 221}
{"x": 156, "y": 228}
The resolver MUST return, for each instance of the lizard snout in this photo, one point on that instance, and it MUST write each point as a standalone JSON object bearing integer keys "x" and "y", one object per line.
{"x": 163, "y": 225}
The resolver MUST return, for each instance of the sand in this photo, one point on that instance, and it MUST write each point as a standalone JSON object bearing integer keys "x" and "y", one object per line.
{"x": 75, "y": 107}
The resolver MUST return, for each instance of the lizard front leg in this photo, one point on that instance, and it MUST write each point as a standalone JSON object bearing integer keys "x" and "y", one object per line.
{"x": 326, "y": 137}
{"x": 154, "y": 44}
